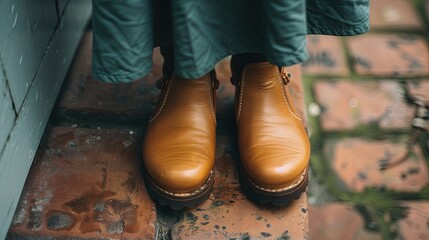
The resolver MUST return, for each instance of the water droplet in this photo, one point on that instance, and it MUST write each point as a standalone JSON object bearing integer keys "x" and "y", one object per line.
{"x": 314, "y": 109}
{"x": 353, "y": 102}
{"x": 391, "y": 14}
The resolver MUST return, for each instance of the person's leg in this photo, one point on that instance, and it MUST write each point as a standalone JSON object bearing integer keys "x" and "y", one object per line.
{"x": 122, "y": 40}
{"x": 273, "y": 144}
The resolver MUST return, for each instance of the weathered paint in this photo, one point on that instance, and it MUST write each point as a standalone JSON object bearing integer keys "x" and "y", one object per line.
{"x": 37, "y": 104}
{"x": 42, "y": 21}
{"x": 7, "y": 115}
{"x": 26, "y": 27}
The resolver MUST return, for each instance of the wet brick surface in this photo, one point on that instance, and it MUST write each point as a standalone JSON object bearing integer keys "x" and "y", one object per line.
{"x": 86, "y": 184}
{"x": 389, "y": 54}
{"x": 394, "y": 14}
{"x": 338, "y": 221}
{"x": 228, "y": 214}
{"x": 356, "y": 163}
{"x": 415, "y": 225}
{"x": 326, "y": 56}
{"x": 348, "y": 104}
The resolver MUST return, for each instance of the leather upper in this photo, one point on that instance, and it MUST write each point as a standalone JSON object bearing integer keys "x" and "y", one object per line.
{"x": 274, "y": 147}
{"x": 179, "y": 146}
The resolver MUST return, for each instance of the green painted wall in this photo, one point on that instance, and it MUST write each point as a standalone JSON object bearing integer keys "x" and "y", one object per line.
{"x": 37, "y": 43}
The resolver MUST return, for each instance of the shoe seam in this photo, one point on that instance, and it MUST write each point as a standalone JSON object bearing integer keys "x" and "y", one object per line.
{"x": 296, "y": 182}
{"x": 187, "y": 194}
{"x": 164, "y": 100}
{"x": 209, "y": 84}
{"x": 286, "y": 98}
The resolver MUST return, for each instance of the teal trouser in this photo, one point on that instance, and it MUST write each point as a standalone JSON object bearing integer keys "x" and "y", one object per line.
{"x": 202, "y": 32}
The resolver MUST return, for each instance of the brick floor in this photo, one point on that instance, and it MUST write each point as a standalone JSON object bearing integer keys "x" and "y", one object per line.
{"x": 86, "y": 184}
{"x": 394, "y": 14}
{"x": 228, "y": 214}
{"x": 348, "y": 104}
{"x": 326, "y": 56}
{"x": 415, "y": 225}
{"x": 338, "y": 221}
{"x": 389, "y": 54}
{"x": 84, "y": 97}
{"x": 356, "y": 163}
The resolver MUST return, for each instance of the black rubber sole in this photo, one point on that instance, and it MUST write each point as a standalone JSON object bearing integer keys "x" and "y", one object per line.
{"x": 179, "y": 201}
{"x": 280, "y": 198}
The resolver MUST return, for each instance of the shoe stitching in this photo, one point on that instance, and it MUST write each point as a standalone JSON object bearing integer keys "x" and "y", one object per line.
{"x": 293, "y": 185}
{"x": 286, "y": 99}
{"x": 241, "y": 96}
{"x": 164, "y": 100}
{"x": 188, "y": 194}
{"x": 211, "y": 98}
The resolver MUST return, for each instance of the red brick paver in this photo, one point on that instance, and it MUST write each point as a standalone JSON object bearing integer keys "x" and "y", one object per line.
{"x": 86, "y": 184}
{"x": 389, "y": 54}
{"x": 326, "y": 56}
{"x": 346, "y": 104}
{"x": 229, "y": 214}
{"x": 337, "y": 221}
{"x": 356, "y": 163}
{"x": 415, "y": 226}
{"x": 394, "y": 14}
